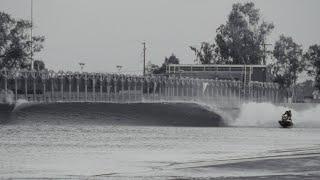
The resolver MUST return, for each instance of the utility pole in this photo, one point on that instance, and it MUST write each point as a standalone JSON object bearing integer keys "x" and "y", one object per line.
{"x": 144, "y": 58}
{"x": 31, "y": 39}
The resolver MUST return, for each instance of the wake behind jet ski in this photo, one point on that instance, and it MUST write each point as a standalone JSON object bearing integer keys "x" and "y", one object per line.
{"x": 286, "y": 121}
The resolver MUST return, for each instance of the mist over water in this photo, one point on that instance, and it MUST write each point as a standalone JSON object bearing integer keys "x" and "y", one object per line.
{"x": 268, "y": 115}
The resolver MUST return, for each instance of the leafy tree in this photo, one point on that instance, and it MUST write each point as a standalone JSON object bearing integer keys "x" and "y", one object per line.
{"x": 150, "y": 68}
{"x": 38, "y": 65}
{"x": 289, "y": 62}
{"x": 15, "y": 42}
{"x": 241, "y": 39}
{"x": 206, "y": 53}
{"x": 171, "y": 60}
{"x": 312, "y": 58}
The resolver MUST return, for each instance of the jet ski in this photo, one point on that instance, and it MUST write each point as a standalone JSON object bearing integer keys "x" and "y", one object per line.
{"x": 286, "y": 122}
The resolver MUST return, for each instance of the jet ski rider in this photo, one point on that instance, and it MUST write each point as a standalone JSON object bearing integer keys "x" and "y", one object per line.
{"x": 288, "y": 114}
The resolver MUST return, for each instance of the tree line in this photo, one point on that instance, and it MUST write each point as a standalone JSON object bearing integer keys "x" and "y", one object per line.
{"x": 243, "y": 40}
{"x": 16, "y": 44}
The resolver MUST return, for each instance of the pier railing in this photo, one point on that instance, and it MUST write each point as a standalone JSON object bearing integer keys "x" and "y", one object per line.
{"x": 50, "y": 86}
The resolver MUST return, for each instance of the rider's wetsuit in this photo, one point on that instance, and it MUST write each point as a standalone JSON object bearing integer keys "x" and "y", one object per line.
{"x": 288, "y": 114}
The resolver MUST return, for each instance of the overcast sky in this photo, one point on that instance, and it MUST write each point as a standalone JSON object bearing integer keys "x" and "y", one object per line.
{"x": 106, "y": 33}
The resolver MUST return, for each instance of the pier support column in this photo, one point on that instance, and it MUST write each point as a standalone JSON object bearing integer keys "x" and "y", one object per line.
{"x": 142, "y": 87}
{"x": 33, "y": 75}
{"x": 61, "y": 88}
{"x": 148, "y": 87}
{"x": 51, "y": 76}
{"x": 177, "y": 84}
{"x": 135, "y": 88}
{"x": 192, "y": 89}
{"x": 101, "y": 79}
{"x": 93, "y": 88}
{"x": 52, "y": 90}
{"x": 129, "y": 88}
{"x": 160, "y": 88}
{"x": 44, "y": 77}
{"x": 165, "y": 87}
{"x": 108, "y": 83}
{"x": 183, "y": 83}
{"x": 78, "y": 86}
{"x": 154, "y": 89}
{"x": 123, "y": 80}
{"x": 70, "y": 85}
{"x": 86, "y": 86}
{"x": 115, "y": 83}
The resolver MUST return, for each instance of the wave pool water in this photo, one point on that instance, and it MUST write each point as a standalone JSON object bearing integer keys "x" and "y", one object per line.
{"x": 157, "y": 141}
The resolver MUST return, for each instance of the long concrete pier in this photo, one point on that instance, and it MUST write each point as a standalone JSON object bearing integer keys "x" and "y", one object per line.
{"x": 49, "y": 86}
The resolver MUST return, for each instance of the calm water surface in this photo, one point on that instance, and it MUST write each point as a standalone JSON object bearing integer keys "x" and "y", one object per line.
{"x": 130, "y": 151}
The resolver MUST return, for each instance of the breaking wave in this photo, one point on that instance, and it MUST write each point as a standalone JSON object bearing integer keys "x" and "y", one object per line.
{"x": 268, "y": 115}
{"x": 158, "y": 114}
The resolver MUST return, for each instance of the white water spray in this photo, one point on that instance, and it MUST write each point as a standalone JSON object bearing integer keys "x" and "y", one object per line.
{"x": 22, "y": 103}
{"x": 6, "y": 97}
{"x": 268, "y": 115}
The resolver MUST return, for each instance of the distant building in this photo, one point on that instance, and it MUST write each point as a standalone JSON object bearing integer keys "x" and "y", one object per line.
{"x": 244, "y": 73}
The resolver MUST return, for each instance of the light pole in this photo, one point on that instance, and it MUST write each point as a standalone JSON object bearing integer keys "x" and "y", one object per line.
{"x": 81, "y": 66}
{"x": 119, "y": 67}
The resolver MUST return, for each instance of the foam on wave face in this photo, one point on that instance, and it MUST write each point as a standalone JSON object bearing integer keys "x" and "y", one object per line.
{"x": 268, "y": 115}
